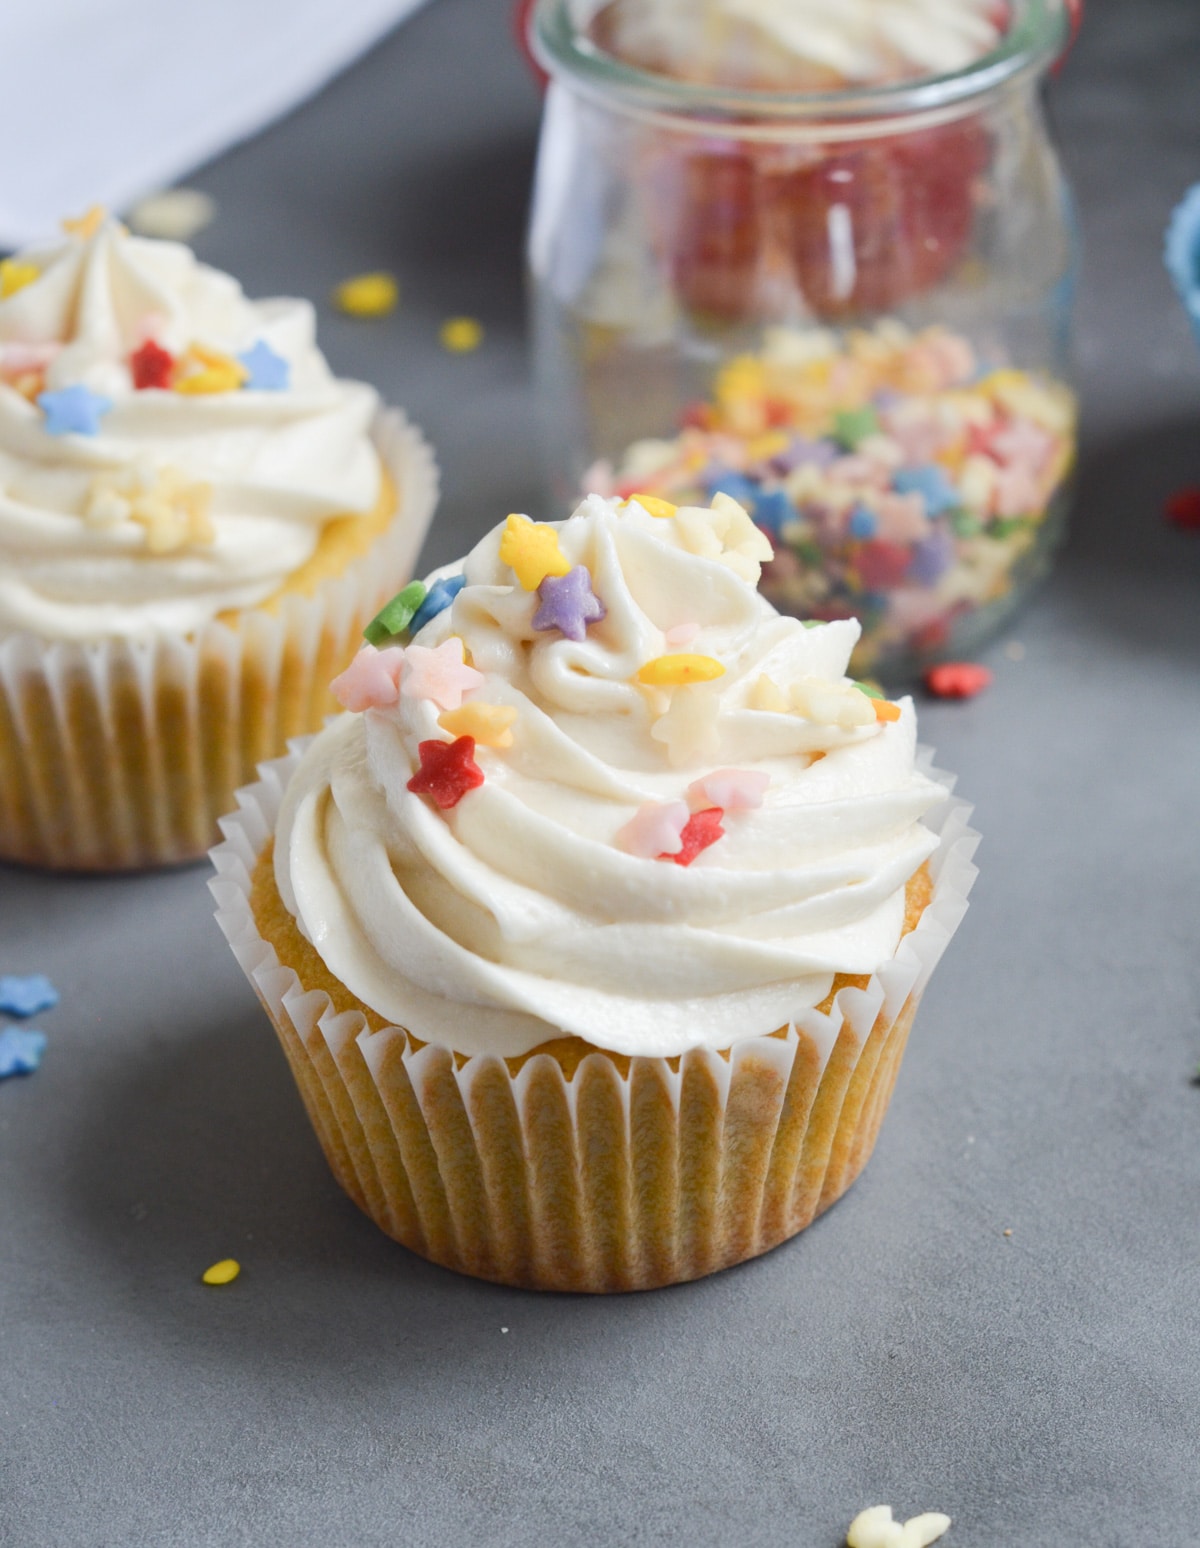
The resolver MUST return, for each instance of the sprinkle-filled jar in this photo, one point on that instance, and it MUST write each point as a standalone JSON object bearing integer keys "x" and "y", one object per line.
{"x": 846, "y": 305}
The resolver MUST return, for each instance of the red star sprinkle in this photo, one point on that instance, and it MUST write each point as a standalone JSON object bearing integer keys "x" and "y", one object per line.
{"x": 700, "y": 830}
{"x": 151, "y": 366}
{"x": 1183, "y": 509}
{"x": 957, "y": 680}
{"x": 448, "y": 770}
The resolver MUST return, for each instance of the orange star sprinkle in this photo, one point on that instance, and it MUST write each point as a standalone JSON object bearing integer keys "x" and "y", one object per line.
{"x": 489, "y": 724}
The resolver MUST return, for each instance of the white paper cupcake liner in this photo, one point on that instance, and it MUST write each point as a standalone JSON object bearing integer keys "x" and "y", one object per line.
{"x": 624, "y": 1174}
{"x": 123, "y": 753}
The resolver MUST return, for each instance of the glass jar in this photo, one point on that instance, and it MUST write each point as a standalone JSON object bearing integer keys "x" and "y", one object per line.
{"x": 850, "y": 310}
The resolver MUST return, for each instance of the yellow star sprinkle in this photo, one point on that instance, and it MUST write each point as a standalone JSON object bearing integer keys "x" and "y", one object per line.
{"x": 489, "y": 724}
{"x": 223, "y": 1273}
{"x": 218, "y": 373}
{"x": 885, "y": 709}
{"x": 367, "y": 295}
{"x": 653, "y": 505}
{"x": 15, "y": 275}
{"x": 675, "y": 671}
{"x": 531, "y": 548}
{"x": 460, "y": 335}
{"x": 86, "y": 226}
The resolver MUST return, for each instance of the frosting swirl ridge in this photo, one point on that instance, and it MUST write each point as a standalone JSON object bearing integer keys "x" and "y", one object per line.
{"x": 690, "y": 723}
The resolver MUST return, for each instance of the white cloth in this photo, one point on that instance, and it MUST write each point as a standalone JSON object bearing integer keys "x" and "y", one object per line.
{"x": 112, "y": 99}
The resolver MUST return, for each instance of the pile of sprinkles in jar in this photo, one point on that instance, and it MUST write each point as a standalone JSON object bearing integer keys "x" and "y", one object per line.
{"x": 900, "y": 479}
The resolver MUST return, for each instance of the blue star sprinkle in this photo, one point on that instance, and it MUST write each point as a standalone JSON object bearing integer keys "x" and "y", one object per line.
{"x": 26, "y": 996}
{"x": 437, "y": 599}
{"x": 568, "y": 604}
{"x": 931, "y": 484}
{"x": 21, "y": 1051}
{"x": 269, "y": 372}
{"x": 75, "y": 410}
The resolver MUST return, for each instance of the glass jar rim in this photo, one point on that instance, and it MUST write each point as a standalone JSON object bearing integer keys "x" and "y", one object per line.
{"x": 1033, "y": 40}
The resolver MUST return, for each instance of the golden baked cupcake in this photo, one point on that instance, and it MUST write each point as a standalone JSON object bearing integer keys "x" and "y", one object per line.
{"x": 594, "y": 931}
{"x": 196, "y": 522}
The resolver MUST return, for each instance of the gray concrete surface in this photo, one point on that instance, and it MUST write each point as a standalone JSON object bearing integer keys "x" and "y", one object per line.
{"x": 1043, "y": 1387}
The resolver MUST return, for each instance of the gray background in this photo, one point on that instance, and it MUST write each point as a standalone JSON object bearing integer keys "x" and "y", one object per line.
{"x": 1042, "y": 1388}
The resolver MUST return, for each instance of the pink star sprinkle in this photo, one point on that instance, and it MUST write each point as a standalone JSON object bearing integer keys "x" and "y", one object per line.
{"x": 734, "y": 790}
{"x": 372, "y": 680}
{"x": 682, "y": 634}
{"x": 441, "y": 674}
{"x": 655, "y": 830}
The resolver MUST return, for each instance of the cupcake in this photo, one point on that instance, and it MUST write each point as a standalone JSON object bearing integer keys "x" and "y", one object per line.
{"x": 594, "y": 930}
{"x": 196, "y": 522}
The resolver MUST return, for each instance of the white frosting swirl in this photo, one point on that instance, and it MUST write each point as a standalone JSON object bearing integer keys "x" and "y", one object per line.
{"x": 516, "y": 916}
{"x": 280, "y": 463}
{"x": 801, "y": 44}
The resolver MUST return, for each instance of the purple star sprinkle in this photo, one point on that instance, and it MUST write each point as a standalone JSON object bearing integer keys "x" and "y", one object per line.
{"x": 26, "y": 996}
{"x": 21, "y": 1051}
{"x": 568, "y": 604}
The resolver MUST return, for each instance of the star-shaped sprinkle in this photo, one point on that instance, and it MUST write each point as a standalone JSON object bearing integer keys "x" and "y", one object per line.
{"x": 829, "y": 703}
{"x": 701, "y": 830}
{"x": 957, "y": 680}
{"x": 440, "y": 674}
{"x": 655, "y": 830}
{"x": 73, "y": 410}
{"x": 767, "y": 695}
{"x": 569, "y": 604}
{"x": 436, "y": 600}
{"x": 930, "y": 482}
{"x": 151, "y": 366}
{"x": 733, "y": 790}
{"x": 15, "y": 274}
{"x": 371, "y": 681}
{"x": 682, "y": 634}
{"x": 876, "y": 1528}
{"x": 85, "y": 226}
{"x": 173, "y": 510}
{"x": 217, "y": 372}
{"x": 21, "y": 1050}
{"x": 266, "y": 371}
{"x": 531, "y": 548}
{"x": 678, "y": 671}
{"x": 448, "y": 770}
{"x": 688, "y": 729}
{"x": 25, "y": 996}
{"x": 490, "y": 724}
{"x": 653, "y": 505}
{"x": 395, "y": 618}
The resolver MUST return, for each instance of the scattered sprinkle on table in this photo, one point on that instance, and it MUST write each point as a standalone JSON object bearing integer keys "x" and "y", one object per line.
{"x": 222, "y": 1273}
{"x": 957, "y": 680}
{"x": 367, "y": 295}
{"x": 21, "y": 1050}
{"x": 175, "y": 215}
{"x": 1183, "y": 509}
{"x": 461, "y": 335}
{"x": 876, "y": 1528}
{"x": 25, "y": 996}
{"x": 1008, "y": 1230}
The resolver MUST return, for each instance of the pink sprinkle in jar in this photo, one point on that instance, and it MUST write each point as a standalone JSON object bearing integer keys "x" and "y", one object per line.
{"x": 848, "y": 308}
